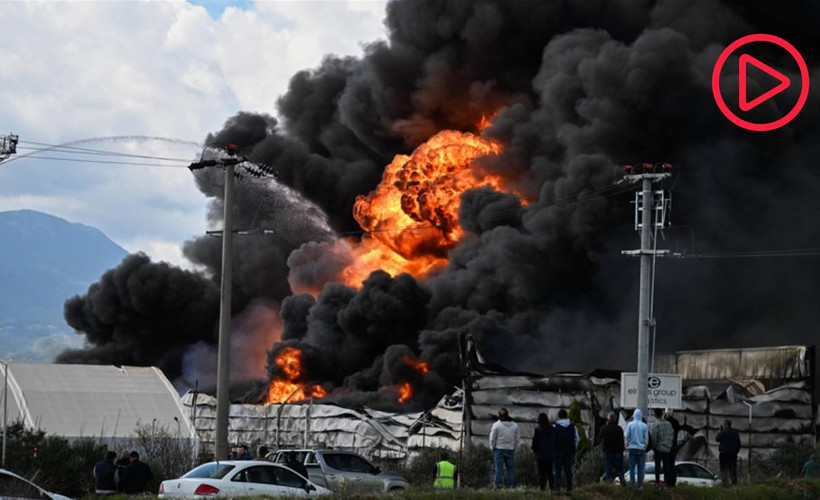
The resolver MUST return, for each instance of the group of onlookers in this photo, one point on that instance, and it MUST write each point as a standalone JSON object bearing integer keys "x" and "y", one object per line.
{"x": 554, "y": 446}
{"x": 661, "y": 437}
{"x": 127, "y": 475}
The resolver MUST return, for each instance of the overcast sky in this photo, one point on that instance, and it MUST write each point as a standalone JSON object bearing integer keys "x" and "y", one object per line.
{"x": 73, "y": 71}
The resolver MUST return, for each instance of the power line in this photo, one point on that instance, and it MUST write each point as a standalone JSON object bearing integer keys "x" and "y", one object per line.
{"x": 796, "y": 252}
{"x": 109, "y": 162}
{"x": 98, "y": 152}
{"x": 52, "y": 147}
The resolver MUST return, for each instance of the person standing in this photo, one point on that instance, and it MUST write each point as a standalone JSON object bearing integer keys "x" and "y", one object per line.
{"x": 244, "y": 454}
{"x": 104, "y": 473}
{"x": 662, "y": 440}
{"x": 612, "y": 443}
{"x": 811, "y": 469}
{"x": 728, "y": 447}
{"x": 136, "y": 476}
{"x": 637, "y": 437}
{"x": 121, "y": 464}
{"x": 504, "y": 438}
{"x": 262, "y": 453}
{"x": 295, "y": 465}
{"x": 566, "y": 442}
{"x": 543, "y": 445}
{"x": 671, "y": 477}
{"x": 445, "y": 473}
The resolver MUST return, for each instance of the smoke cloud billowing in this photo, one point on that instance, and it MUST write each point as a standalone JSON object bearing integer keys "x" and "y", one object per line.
{"x": 578, "y": 88}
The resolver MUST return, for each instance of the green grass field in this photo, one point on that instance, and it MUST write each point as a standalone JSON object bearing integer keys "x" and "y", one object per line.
{"x": 766, "y": 490}
{"x": 775, "y": 489}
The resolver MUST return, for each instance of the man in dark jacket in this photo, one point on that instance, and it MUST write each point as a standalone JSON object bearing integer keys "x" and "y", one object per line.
{"x": 543, "y": 445}
{"x": 104, "y": 471}
{"x": 671, "y": 476}
{"x": 612, "y": 443}
{"x": 136, "y": 476}
{"x": 566, "y": 442}
{"x": 294, "y": 464}
{"x": 728, "y": 447}
{"x": 121, "y": 464}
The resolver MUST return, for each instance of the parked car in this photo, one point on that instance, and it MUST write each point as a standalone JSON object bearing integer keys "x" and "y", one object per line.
{"x": 687, "y": 473}
{"x": 336, "y": 470}
{"x": 232, "y": 478}
{"x": 14, "y": 486}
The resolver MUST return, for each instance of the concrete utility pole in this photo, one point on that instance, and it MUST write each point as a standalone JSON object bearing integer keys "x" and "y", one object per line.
{"x": 223, "y": 370}
{"x": 646, "y": 207}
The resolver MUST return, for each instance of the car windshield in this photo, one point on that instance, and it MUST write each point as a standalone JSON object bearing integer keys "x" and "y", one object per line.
{"x": 213, "y": 470}
{"x": 349, "y": 463}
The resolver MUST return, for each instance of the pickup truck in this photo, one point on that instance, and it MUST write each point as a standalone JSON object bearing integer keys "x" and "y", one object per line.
{"x": 342, "y": 470}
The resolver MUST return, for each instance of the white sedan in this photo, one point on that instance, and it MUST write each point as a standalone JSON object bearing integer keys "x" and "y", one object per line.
{"x": 687, "y": 473}
{"x": 14, "y": 486}
{"x": 240, "y": 478}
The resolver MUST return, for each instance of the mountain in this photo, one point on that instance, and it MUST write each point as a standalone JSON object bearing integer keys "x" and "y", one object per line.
{"x": 44, "y": 260}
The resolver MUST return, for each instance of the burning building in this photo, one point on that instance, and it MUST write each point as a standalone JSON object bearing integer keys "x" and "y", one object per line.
{"x": 458, "y": 179}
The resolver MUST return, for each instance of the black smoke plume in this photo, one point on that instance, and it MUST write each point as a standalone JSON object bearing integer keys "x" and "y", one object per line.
{"x": 578, "y": 88}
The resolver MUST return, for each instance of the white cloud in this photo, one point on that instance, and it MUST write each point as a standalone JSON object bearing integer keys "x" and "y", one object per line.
{"x": 160, "y": 251}
{"x": 76, "y": 70}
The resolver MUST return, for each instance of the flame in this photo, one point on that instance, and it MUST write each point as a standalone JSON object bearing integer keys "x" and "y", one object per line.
{"x": 485, "y": 122}
{"x": 411, "y": 218}
{"x": 405, "y": 392}
{"x": 289, "y": 361}
{"x": 418, "y": 365}
{"x": 405, "y": 388}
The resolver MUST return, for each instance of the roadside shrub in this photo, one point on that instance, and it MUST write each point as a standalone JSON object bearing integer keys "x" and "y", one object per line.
{"x": 168, "y": 456}
{"x": 574, "y": 415}
{"x": 52, "y": 462}
{"x": 785, "y": 461}
{"x": 422, "y": 470}
{"x": 526, "y": 467}
{"x": 478, "y": 466}
{"x": 589, "y": 467}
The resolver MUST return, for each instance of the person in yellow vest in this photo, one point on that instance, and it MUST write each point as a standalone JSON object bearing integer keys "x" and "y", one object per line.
{"x": 445, "y": 473}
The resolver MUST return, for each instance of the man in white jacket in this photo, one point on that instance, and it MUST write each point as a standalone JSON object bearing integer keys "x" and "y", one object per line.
{"x": 504, "y": 437}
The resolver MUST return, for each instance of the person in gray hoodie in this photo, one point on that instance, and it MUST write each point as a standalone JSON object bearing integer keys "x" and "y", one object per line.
{"x": 637, "y": 438}
{"x": 504, "y": 437}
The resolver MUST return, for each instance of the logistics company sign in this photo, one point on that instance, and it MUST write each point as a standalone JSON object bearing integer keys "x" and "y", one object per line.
{"x": 664, "y": 390}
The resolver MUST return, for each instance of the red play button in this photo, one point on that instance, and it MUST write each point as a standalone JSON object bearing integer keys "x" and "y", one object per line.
{"x": 745, "y": 61}
{"x": 744, "y": 103}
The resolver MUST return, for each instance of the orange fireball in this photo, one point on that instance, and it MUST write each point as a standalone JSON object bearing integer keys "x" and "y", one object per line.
{"x": 411, "y": 218}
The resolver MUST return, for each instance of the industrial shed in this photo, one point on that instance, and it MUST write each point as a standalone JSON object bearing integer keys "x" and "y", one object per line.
{"x": 372, "y": 433}
{"x": 103, "y": 402}
{"x": 776, "y": 382}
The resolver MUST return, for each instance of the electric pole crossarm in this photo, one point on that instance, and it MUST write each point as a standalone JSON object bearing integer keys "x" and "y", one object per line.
{"x": 242, "y": 232}
{"x": 638, "y": 253}
{"x": 8, "y": 146}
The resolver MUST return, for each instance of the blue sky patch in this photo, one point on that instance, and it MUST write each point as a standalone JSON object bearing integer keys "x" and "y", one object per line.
{"x": 216, "y": 7}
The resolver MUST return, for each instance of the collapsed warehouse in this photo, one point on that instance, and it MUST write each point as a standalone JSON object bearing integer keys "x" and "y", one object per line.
{"x": 777, "y": 383}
